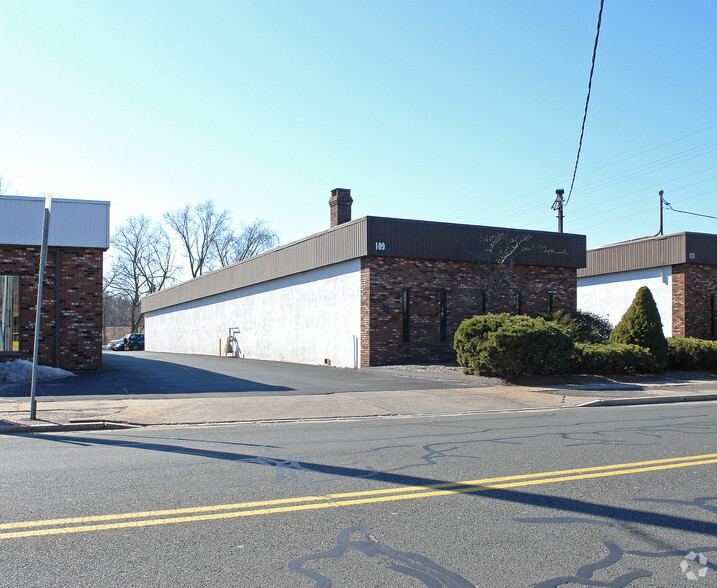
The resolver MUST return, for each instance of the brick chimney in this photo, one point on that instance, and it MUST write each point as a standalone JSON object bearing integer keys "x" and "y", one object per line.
{"x": 340, "y": 204}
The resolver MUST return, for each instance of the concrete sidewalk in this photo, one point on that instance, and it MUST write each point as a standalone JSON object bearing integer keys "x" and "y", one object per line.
{"x": 90, "y": 414}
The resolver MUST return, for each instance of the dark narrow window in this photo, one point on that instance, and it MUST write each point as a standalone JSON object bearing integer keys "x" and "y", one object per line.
{"x": 483, "y": 302}
{"x": 712, "y": 317}
{"x": 406, "y": 314}
{"x": 443, "y": 314}
{"x": 519, "y": 302}
{"x": 550, "y": 302}
{"x": 9, "y": 314}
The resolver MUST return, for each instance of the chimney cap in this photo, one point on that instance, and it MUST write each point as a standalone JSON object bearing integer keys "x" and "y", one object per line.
{"x": 341, "y": 192}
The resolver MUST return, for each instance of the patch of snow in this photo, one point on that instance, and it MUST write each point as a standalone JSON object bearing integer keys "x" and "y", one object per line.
{"x": 20, "y": 370}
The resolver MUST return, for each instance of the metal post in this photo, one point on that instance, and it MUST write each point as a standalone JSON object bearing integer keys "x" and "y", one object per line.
{"x": 43, "y": 258}
{"x": 662, "y": 201}
{"x": 558, "y": 205}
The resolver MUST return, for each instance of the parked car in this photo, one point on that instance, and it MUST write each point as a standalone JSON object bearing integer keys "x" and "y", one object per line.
{"x": 130, "y": 342}
{"x": 116, "y": 345}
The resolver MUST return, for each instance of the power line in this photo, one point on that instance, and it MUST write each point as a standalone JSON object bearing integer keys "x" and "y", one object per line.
{"x": 637, "y": 173}
{"x": 694, "y": 195}
{"x": 587, "y": 101}
{"x": 534, "y": 207}
{"x": 539, "y": 187}
{"x": 534, "y": 210}
{"x": 614, "y": 209}
{"x": 669, "y": 207}
{"x": 653, "y": 146}
{"x": 639, "y": 212}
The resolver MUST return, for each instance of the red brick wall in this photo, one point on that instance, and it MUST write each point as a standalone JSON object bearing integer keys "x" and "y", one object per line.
{"x": 692, "y": 288}
{"x": 383, "y": 280}
{"x": 80, "y": 305}
{"x": 678, "y": 300}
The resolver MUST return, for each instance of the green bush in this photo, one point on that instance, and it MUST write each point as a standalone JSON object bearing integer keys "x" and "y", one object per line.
{"x": 583, "y": 327}
{"x": 691, "y": 354}
{"x": 641, "y": 325}
{"x": 613, "y": 358}
{"x": 505, "y": 346}
{"x": 599, "y": 328}
{"x": 566, "y": 322}
{"x": 471, "y": 332}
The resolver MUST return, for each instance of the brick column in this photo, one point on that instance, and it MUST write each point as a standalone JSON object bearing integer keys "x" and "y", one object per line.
{"x": 678, "y": 301}
{"x": 340, "y": 203}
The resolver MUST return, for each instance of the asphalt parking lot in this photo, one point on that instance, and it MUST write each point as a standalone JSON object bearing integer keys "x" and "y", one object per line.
{"x": 154, "y": 375}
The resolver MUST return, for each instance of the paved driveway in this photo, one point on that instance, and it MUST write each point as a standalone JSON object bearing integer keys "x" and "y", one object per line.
{"x": 151, "y": 374}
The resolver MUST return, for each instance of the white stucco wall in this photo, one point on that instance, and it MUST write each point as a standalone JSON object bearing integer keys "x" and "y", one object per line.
{"x": 610, "y": 295}
{"x": 305, "y": 318}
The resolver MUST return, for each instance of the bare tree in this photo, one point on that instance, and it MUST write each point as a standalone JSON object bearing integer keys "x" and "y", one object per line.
{"x": 4, "y": 186}
{"x": 224, "y": 247}
{"x": 112, "y": 302}
{"x": 117, "y": 311}
{"x": 251, "y": 240}
{"x": 199, "y": 228}
{"x": 497, "y": 274}
{"x": 116, "y": 317}
{"x": 142, "y": 263}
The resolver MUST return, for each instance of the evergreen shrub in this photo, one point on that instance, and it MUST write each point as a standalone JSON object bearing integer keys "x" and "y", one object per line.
{"x": 583, "y": 327}
{"x": 641, "y": 325}
{"x": 691, "y": 354}
{"x": 598, "y": 327}
{"x": 471, "y": 333}
{"x": 506, "y": 346}
{"x": 613, "y": 358}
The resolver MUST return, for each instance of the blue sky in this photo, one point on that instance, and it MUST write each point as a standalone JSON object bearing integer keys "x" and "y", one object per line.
{"x": 452, "y": 111}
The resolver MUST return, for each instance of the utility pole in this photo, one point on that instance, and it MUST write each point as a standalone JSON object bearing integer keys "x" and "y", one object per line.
{"x": 662, "y": 201}
{"x": 558, "y": 205}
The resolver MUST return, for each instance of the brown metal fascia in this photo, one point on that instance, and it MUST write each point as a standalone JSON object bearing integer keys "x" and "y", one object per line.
{"x": 646, "y": 253}
{"x": 390, "y": 237}
{"x": 341, "y": 243}
{"x": 373, "y": 236}
{"x": 701, "y": 248}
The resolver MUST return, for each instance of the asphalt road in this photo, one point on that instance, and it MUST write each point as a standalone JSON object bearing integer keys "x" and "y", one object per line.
{"x": 479, "y": 500}
{"x": 152, "y": 375}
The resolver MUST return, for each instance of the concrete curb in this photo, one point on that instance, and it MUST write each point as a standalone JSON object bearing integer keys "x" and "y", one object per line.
{"x": 429, "y": 375}
{"x": 59, "y": 427}
{"x": 649, "y": 400}
{"x": 182, "y": 412}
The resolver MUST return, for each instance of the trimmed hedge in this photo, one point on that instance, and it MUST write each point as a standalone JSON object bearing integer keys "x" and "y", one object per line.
{"x": 505, "y": 346}
{"x": 691, "y": 354}
{"x": 641, "y": 325}
{"x": 613, "y": 358}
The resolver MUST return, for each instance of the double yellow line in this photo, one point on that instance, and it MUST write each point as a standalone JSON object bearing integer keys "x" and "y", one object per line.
{"x": 285, "y": 505}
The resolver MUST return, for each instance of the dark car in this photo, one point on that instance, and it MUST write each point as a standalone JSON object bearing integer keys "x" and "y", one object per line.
{"x": 130, "y": 342}
{"x": 116, "y": 345}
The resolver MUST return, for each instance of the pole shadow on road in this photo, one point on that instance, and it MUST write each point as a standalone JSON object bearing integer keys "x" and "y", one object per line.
{"x": 571, "y": 505}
